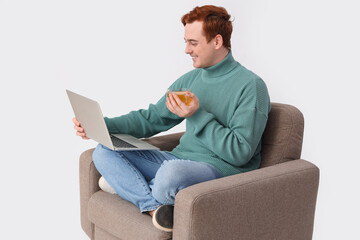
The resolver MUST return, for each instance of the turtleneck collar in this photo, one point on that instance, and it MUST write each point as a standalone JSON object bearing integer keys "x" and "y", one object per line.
{"x": 221, "y": 68}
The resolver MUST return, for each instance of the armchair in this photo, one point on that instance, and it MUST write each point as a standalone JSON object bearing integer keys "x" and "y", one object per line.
{"x": 276, "y": 201}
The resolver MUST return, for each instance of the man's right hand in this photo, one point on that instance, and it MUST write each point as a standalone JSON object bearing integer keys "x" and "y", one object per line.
{"x": 79, "y": 130}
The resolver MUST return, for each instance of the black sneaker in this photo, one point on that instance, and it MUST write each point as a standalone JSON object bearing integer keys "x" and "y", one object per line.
{"x": 163, "y": 218}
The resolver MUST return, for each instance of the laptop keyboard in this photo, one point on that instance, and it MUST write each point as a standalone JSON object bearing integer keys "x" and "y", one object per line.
{"x": 121, "y": 143}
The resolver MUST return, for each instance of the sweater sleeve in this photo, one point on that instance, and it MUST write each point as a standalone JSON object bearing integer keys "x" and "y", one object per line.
{"x": 237, "y": 142}
{"x": 144, "y": 122}
{"x": 157, "y": 118}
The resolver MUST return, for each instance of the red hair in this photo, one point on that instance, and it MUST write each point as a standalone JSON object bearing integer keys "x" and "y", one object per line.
{"x": 216, "y": 20}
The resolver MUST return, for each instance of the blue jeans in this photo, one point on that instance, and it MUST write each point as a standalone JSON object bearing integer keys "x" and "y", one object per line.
{"x": 149, "y": 178}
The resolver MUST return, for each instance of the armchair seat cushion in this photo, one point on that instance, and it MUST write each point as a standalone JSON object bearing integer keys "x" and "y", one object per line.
{"x": 121, "y": 218}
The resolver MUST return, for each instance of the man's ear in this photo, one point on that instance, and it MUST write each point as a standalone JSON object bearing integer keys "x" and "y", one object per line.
{"x": 218, "y": 41}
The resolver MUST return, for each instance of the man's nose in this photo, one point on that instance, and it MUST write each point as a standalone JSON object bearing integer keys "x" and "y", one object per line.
{"x": 187, "y": 49}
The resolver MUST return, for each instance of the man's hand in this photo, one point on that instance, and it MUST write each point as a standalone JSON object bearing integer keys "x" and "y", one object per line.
{"x": 178, "y": 107}
{"x": 79, "y": 130}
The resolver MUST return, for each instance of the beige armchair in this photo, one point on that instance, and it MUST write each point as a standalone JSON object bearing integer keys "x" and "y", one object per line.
{"x": 276, "y": 201}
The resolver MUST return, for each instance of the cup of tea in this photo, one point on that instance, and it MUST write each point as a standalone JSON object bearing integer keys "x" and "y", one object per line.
{"x": 181, "y": 93}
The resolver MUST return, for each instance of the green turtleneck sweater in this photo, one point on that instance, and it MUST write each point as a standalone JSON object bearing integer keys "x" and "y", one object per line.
{"x": 225, "y": 131}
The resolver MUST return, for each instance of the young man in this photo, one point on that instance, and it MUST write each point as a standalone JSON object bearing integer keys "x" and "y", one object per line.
{"x": 225, "y": 121}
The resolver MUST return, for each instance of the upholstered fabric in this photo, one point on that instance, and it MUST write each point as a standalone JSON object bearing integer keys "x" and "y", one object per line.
{"x": 89, "y": 178}
{"x": 103, "y": 234}
{"x": 121, "y": 218}
{"x": 283, "y": 191}
{"x": 165, "y": 143}
{"x": 276, "y": 202}
{"x": 283, "y": 135}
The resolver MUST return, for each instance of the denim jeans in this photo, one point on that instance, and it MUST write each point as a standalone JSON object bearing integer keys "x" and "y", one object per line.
{"x": 149, "y": 178}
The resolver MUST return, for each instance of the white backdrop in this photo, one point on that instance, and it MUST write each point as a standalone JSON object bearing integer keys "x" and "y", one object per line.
{"x": 126, "y": 53}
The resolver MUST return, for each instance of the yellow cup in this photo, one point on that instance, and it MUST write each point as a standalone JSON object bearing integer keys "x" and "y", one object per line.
{"x": 181, "y": 93}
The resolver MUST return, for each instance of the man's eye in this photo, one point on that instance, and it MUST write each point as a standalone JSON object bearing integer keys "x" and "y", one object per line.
{"x": 191, "y": 43}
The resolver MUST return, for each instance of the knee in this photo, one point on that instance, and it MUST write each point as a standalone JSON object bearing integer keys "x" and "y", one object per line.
{"x": 98, "y": 156}
{"x": 169, "y": 174}
{"x": 168, "y": 181}
{"x": 97, "y": 153}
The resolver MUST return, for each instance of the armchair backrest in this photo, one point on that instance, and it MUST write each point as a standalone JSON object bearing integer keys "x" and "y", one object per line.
{"x": 283, "y": 135}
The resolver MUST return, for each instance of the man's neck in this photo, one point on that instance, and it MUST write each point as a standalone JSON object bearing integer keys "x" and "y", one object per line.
{"x": 223, "y": 52}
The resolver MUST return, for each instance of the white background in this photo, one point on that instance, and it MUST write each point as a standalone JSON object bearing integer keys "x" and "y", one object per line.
{"x": 125, "y": 54}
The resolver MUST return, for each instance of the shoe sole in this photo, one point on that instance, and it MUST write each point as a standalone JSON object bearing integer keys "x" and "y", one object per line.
{"x": 157, "y": 225}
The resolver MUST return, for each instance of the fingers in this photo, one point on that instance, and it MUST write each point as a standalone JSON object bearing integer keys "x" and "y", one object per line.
{"x": 79, "y": 130}
{"x": 77, "y": 125}
{"x": 82, "y": 135}
{"x": 76, "y": 122}
{"x": 175, "y": 105}
{"x": 194, "y": 99}
{"x": 176, "y": 102}
{"x": 178, "y": 107}
{"x": 190, "y": 94}
{"x": 169, "y": 106}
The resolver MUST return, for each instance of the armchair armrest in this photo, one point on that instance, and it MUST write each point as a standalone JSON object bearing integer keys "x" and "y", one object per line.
{"x": 276, "y": 202}
{"x": 89, "y": 178}
{"x": 165, "y": 142}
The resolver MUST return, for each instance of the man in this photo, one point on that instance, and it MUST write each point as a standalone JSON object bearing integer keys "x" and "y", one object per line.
{"x": 225, "y": 120}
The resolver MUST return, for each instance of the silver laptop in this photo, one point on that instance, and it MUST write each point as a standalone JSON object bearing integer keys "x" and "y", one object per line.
{"x": 89, "y": 114}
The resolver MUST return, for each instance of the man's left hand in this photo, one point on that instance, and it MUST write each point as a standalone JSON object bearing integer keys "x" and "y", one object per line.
{"x": 178, "y": 107}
